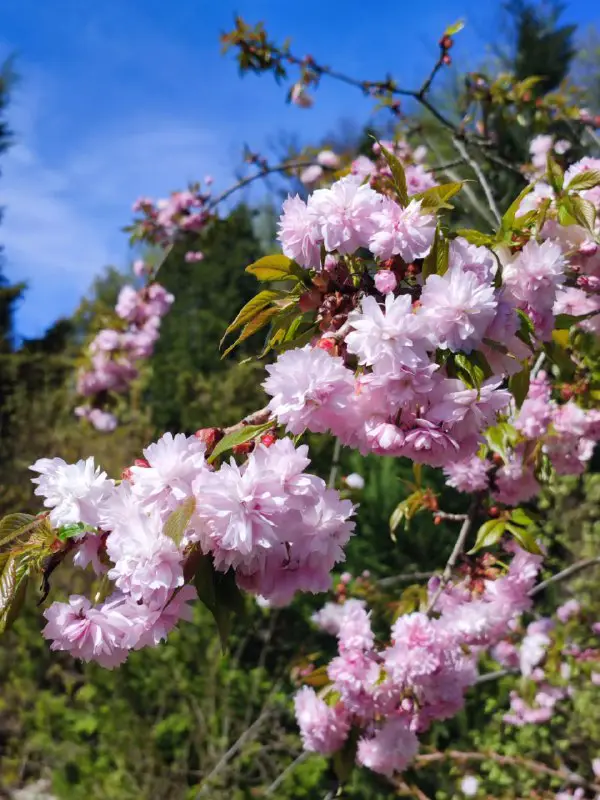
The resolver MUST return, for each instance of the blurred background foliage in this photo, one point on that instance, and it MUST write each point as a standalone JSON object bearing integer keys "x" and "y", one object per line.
{"x": 182, "y": 721}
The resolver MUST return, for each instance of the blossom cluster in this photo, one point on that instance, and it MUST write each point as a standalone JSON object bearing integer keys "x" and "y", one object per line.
{"x": 114, "y": 353}
{"x": 565, "y": 433}
{"x": 393, "y": 372}
{"x": 527, "y": 651}
{"x": 389, "y": 695}
{"x": 380, "y": 386}
{"x": 161, "y": 222}
{"x": 543, "y": 145}
{"x": 377, "y": 169}
{"x": 280, "y": 530}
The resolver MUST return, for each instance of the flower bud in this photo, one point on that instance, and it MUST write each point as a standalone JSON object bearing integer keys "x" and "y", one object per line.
{"x": 385, "y": 281}
{"x": 268, "y": 439}
{"x": 310, "y": 300}
{"x": 243, "y": 449}
{"x": 210, "y": 437}
{"x": 328, "y": 344}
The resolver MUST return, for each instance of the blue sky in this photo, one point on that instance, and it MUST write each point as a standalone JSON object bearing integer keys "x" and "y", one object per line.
{"x": 129, "y": 97}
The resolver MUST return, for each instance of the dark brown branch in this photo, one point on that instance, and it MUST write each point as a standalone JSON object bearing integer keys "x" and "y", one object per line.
{"x": 279, "y": 168}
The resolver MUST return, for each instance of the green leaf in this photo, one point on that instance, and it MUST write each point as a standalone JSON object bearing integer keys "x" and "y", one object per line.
{"x": 318, "y": 678}
{"x": 475, "y": 237}
{"x": 11, "y": 611}
{"x": 473, "y": 369}
{"x": 520, "y": 517}
{"x": 437, "y": 197}
{"x": 418, "y": 474}
{"x": 17, "y": 526}
{"x": 509, "y": 217}
{"x": 563, "y": 322}
{"x": 251, "y": 309}
{"x": 519, "y": 385}
{"x": 273, "y": 268}
{"x": 542, "y": 212}
{"x": 565, "y": 209}
{"x": 588, "y": 179}
{"x": 527, "y": 84}
{"x": 298, "y": 341}
{"x": 220, "y": 594}
{"x": 244, "y": 434}
{"x": 8, "y": 582}
{"x": 405, "y": 511}
{"x": 560, "y": 356}
{"x": 396, "y": 518}
{"x": 488, "y": 535}
{"x": 500, "y": 437}
{"x": 398, "y": 175}
{"x": 583, "y": 211}
{"x": 524, "y": 537}
{"x": 178, "y": 520}
{"x": 436, "y": 261}
{"x": 525, "y": 220}
{"x": 455, "y": 28}
{"x": 412, "y": 599}
{"x": 555, "y": 174}
{"x": 68, "y": 531}
{"x": 259, "y": 321}
{"x": 526, "y": 328}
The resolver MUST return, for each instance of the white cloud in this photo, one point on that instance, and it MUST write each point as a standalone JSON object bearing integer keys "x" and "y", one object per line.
{"x": 65, "y": 205}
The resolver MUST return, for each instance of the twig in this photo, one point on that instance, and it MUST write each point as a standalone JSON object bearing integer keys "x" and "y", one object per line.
{"x": 410, "y": 789}
{"x": 477, "y": 206}
{"x": 487, "y": 677}
{"x": 442, "y": 167}
{"x": 287, "y": 771}
{"x": 516, "y": 761}
{"x": 564, "y": 574}
{"x": 287, "y": 167}
{"x": 462, "y": 150}
{"x": 256, "y": 418}
{"x": 335, "y": 464}
{"x": 239, "y": 743}
{"x": 450, "y": 517}
{"x": 457, "y": 550}
{"x": 429, "y": 80}
{"x": 538, "y": 365}
{"x": 405, "y": 576}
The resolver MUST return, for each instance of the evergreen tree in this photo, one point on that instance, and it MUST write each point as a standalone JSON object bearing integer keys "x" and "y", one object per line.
{"x": 207, "y": 294}
{"x": 542, "y": 46}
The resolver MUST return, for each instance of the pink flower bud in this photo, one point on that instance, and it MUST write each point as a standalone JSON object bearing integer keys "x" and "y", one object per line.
{"x": 385, "y": 281}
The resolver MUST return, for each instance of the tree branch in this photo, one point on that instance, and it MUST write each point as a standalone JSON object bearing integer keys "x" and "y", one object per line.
{"x": 462, "y": 150}
{"x": 405, "y": 576}
{"x": 335, "y": 464}
{"x": 516, "y": 761}
{"x": 287, "y": 771}
{"x": 279, "y": 168}
{"x": 459, "y": 546}
{"x": 564, "y": 574}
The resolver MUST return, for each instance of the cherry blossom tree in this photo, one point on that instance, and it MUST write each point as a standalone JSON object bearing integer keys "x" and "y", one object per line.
{"x": 402, "y": 335}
